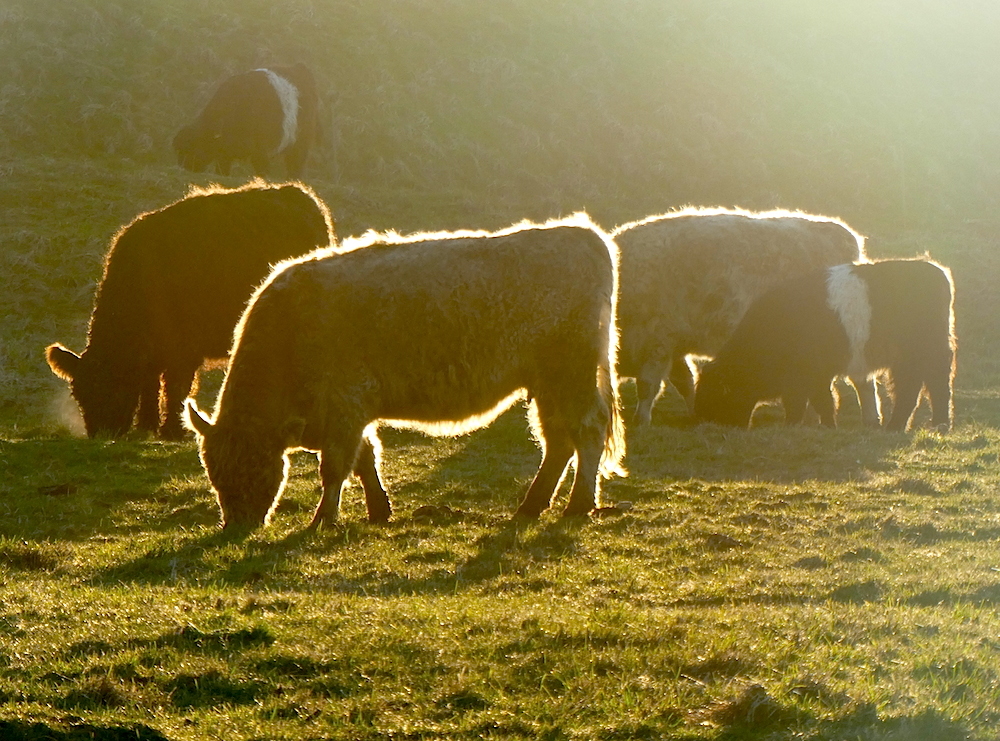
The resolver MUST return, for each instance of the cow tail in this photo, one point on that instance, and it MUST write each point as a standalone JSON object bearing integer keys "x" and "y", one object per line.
{"x": 612, "y": 459}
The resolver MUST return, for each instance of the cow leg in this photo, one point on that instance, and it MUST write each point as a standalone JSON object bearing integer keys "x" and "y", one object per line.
{"x": 336, "y": 461}
{"x": 682, "y": 378}
{"x": 558, "y": 450}
{"x": 825, "y": 405}
{"x": 333, "y": 469}
{"x": 906, "y": 397}
{"x": 794, "y": 402}
{"x": 148, "y": 417}
{"x": 648, "y": 383}
{"x": 583, "y": 496}
{"x": 867, "y": 391}
{"x": 589, "y": 438}
{"x": 178, "y": 384}
{"x": 940, "y": 394}
{"x": 366, "y": 469}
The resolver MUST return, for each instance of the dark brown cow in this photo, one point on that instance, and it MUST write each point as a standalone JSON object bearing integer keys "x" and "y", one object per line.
{"x": 254, "y": 116}
{"x": 893, "y": 317}
{"x": 175, "y": 283}
{"x": 441, "y": 332}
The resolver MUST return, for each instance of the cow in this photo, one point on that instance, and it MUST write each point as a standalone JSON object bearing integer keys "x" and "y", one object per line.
{"x": 891, "y": 317}
{"x": 254, "y": 116}
{"x": 440, "y": 332}
{"x": 175, "y": 283}
{"x": 688, "y": 276}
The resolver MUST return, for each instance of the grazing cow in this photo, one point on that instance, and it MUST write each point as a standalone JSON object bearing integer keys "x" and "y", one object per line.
{"x": 894, "y": 317}
{"x": 254, "y": 116}
{"x": 175, "y": 283}
{"x": 441, "y": 332}
{"x": 687, "y": 278}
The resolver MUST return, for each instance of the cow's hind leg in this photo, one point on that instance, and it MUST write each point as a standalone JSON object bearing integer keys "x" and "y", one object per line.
{"x": 589, "y": 433}
{"x": 148, "y": 416}
{"x": 366, "y": 469}
{"x": 906, "y": 397}
{"x": 558, "y": 450}
{"x": 178, "y": 384}
{"x": 939, "y": 391}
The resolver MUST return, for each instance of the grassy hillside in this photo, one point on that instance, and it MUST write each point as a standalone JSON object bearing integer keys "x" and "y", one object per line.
{"x": 776, "y": 583}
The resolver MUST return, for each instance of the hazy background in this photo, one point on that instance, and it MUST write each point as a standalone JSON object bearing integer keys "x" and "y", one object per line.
{"x": 456, "y": 113}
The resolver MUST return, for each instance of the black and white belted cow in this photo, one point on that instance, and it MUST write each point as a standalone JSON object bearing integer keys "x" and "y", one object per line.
{"x": 255, "y": 116}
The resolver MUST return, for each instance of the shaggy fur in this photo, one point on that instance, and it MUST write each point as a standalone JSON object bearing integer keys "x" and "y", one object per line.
{"x": 254, "y": 116}
{"x": 688, "y": 277}
{"x": 175, "y": 283}
{"x": 893, "y": 317}
{"x": 442, "y": 332}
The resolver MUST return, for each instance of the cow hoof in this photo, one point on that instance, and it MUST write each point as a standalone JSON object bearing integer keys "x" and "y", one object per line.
{"x": 321, "y": 522}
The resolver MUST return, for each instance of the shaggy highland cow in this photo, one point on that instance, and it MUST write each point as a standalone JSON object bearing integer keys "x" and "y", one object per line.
{"x": 254, "y": 116}
{"x": 688, "y": 277}
{"x": 894, "y": 317}
{"x": 175, "y": 283}
{"x": 441, "y": 332}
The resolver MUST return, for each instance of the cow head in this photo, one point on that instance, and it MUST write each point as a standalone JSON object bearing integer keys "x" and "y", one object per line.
{"x": 107, "y": 403}
{"x": 722, "y": 397}
{"x": 194, "y": 148}
{"x": 246, "y": 463}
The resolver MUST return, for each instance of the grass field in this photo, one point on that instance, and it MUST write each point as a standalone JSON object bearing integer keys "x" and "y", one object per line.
{"x": 773, "y": 583}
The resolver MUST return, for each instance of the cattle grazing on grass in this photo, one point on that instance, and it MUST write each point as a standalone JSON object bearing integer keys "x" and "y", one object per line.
{"x": 441, "y": 332}
{"x": 893, "y": 317}
{"x": 254, "y": 116}
{"x": 687, "y": 277}
{"x": 175, "y": 283}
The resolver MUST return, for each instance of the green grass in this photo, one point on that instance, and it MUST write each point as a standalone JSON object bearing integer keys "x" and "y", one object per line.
{"x": 773, "y": 583}
{"x": 852, "y": 576}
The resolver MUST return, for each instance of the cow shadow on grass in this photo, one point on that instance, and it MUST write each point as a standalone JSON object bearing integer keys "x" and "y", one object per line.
{"x": 501, "y": 546}
{"x": 493, "y": 466}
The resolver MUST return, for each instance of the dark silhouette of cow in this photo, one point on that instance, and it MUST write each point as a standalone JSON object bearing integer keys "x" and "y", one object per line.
{"x": 441, "y": 332}
{"x": 254, "y": 116}
{"x": 175, "y": 283}
{"x": 893, "y": 318}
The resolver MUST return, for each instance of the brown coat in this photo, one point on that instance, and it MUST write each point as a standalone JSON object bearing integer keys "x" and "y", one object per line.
{"x": 175, "y": 283}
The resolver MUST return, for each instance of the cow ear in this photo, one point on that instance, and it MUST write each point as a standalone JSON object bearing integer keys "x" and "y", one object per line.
{"x": 194, "y": 420}
{"x": 63, "y": 362}
{"x": 291, "y": 431}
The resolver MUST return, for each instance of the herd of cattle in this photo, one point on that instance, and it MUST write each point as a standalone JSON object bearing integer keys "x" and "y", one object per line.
{"x": 325, "y": 340}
